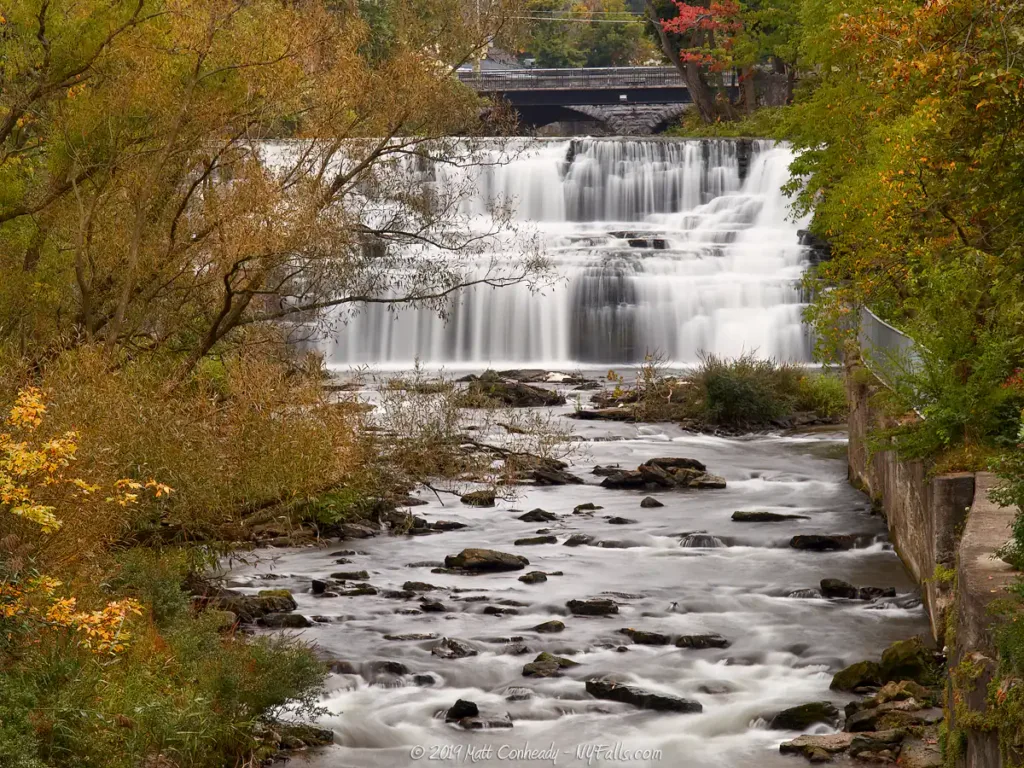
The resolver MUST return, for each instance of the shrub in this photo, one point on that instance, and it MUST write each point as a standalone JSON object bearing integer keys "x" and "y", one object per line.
{"x": 821, "y": 393}
{"x": 745, "y": 392}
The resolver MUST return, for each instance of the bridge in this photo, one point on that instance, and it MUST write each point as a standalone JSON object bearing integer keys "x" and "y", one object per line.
{"x": 628, "y": 100}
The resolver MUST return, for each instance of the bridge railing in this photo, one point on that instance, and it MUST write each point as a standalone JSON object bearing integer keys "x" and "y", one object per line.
{"x": 888, "y": 353}
{"x": 581, "y": 77}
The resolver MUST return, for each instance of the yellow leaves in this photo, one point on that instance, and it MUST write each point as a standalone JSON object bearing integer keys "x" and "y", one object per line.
{"x": 42, "y": 515}
{"x": 28, "y": 409}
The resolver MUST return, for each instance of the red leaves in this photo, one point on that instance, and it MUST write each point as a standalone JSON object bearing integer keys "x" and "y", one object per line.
{"x": 718, "y": 16}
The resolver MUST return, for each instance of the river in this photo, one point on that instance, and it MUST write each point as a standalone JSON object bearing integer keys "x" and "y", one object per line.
{"x": 671, "y": 246}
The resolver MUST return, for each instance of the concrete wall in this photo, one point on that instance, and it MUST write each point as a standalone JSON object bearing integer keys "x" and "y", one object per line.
{"x": 925, "y": 514}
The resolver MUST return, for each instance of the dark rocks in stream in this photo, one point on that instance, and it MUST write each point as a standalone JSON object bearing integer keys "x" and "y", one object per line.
{"x": 350, "y": 575}
{"x": 450, "y": 648}
{"x": 432, "y": 606}
{"x": 698, "y": 642}
{"x": 284, "y": 621}
{"x": 496, "y": 610}
{"x": 758, "y": 516}
{"x": 414, "y": 636}
{"x": 533, "y": 577}
{"x": 816, "y": 542}
{"x": 446, "y": 525}
{"x": 478, "y": 498}
{"x": 318, "y": 587}
{"x": 360, "y": 590}
{"x": 857, "y": 675}
{"x": 802, "y": 717}
{"x": 620, "y": 521}
{"x": 651, "y": 503}
{"x": 587, "y": 507}
{"x": 578, "y": 540}
{"x": 534, "y": 540}
{"x": 595, "y": 606}
{"x": 548, "y": 665}
{"x": 247, "y": 608}
{"x": 461, "y": 709}
{"x": 908, "y": 660}
{"x": 550, "y": 626}
{"x": 418, "y": 586}
{"x": 514, "y": 394}
{"x": 552, "y": 475}
{"x": 485, "y": 561}
{"x": 538, "y": 516}
{"x": 645, "y": 638}
{"x": 836, "y": 588}
{"x": 673, "y": 472}
{"x": 610, "y": 690}
{"x": 388, "y": 668}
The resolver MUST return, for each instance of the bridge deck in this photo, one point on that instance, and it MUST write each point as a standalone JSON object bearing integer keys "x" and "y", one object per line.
{"x": 589, "y": 78}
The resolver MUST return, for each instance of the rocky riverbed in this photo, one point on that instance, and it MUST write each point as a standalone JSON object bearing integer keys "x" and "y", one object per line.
{"x": 652, "y": 612}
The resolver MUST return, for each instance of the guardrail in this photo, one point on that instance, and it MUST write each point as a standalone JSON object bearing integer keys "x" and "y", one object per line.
{"x": 887, "y": 352}
{"x": 592, "y": 78}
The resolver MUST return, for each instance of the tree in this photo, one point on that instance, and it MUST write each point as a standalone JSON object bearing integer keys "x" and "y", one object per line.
{"x": 146, "y": 207}
{"x": 594, "y": 33}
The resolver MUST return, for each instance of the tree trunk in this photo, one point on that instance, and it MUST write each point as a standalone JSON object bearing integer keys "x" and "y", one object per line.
{"x": 749, "y": 90}
{"x": 696, "y": 84}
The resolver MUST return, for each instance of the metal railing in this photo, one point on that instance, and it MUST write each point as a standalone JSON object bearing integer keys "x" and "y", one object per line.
{"x": 887, "y": 352}
{"x": 593, "y": 78}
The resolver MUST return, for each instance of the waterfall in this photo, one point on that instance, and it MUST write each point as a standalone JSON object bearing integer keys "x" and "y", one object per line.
{"x": 669, "y": 247}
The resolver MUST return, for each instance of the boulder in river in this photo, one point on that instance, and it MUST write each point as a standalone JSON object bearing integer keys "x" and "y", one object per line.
{"x": 460, "y": 709}
{"x": 587, "y": 507}
{"x": 483, "y": 498}
{"x": 538, "y": 516}
{"x": 450, "y": 648}
{"x": 672, "y": 463}
{"x": 802, "y": 717}
{"x": 641, "y": 637}
{"x": 808, "y": 746}
{"x": 432, "y": 606}
{"x": 418, "y": 586}
{"x": 627, "y": 479}
{"x": 908, "y": 660}
{"x": 534, "y": 577}
{"x": 548, "y": 665}
{"x": 485, "y": 561}
{"x": 620, "y": 521}
{"x": 350, "y": 575}
{"x": 550, "y": 626}
{"x": 413, "y": 636}
{"x": 650, "y": 503}
{"x": 550, "y": 475}
{"x": 534, "y": 540}
{"x": 708, "y": 640}
{"x": 873, "y": 593}
{"x": 578, "y": 540}
{"x": 628, "y": 694}
{"x": 817, "y": 542}
{"x": 514, "y": 394}
{"x": 857, "y": 675}
{"x": 838, "y": 588}
{"x": 595, "y": 606}
{"x": 388, "y": 667}
{"x": 284, "y": 621}
{"x": 759, "y": 516}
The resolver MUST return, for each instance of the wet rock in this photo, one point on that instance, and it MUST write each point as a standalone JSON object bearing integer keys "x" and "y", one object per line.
{"x": 917, "y": 753}
{"x": 450, "y": 648}
{"x": 461, "y": 709}
{"x": 355, "y": 531}
{"x": 359, "y": 591}
{"x": 654, "y": 476}
{"x": 549, "y": 626}
{"x": 896, "y": 714}
{"x": 553, "y": 476}
{"x": 533, "y": 577}
{"x": 620, "y": 521}
{"x": 486, "y": 723}
{"x": 276, "y": 600}
{"x": 627, "y": 694}
{"x": 518, "y": 693}
{"x": 447, "y": 525}
{"x": 603, "y": 414}
{"x": 425, "y": 564}
{"x": 538, "y": 516}
{"x": 802, "y": 717}
{"x": 350, "y": 575}
{"x": 860, "y": 674}
{"x": 716, "y": 689}
{"x": 877, "y": 741}
{"x": 578, "y": 540}
{"x": 494, "y": 610}
{"x": 485, "y": 561}
{"x": 672, "y": 463}
{"x": 388, "y": 668}
{"x": 627, "y": 479}
{"x": 701, "y": 541}
{"x": 816, "y": 542}
{"x": 534, "y": 540}
{"x": 284, "y": 621}
{"x": 804, "y": 594}
{"x": 650, "y": 503}
{"x": 432, "y": 606}
{"x": 908, "y": 660}
{"x": 514, "y": 394}
{"x": 318, "y": 587}
{"x": 339, "y": 667}
{"x": 547, "y": 665}
{"x": 398, "y": 594}
{"x": 414, "y": 636}
{"x": 873, "y": 593}
{"x": 758, "y": 516}
{"x": 588, "y": 507}
{"x": 597, "y": 606}
{"x": 613, "y": 544}
{"x": 838, "y": 588}
{"x": 708, "y": 482}
{"x": 645, "y": 638}
{"x": 478, "y": 498}
{"x": 830, "y": 744}
{"x": 418, "y": 586}
{"x": 425, "y": 680}
{"x": 903, "y": 690}
{"x": 708, "y": 640}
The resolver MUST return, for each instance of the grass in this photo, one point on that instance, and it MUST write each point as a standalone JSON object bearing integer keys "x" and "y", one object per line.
{"x": 765, "y": 123}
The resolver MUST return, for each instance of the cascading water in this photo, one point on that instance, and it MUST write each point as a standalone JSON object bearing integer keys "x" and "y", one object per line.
{"x": 669, "y": 247}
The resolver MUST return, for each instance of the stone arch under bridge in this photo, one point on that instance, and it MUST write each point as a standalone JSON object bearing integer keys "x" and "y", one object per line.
{"x": 619, "y": 119}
